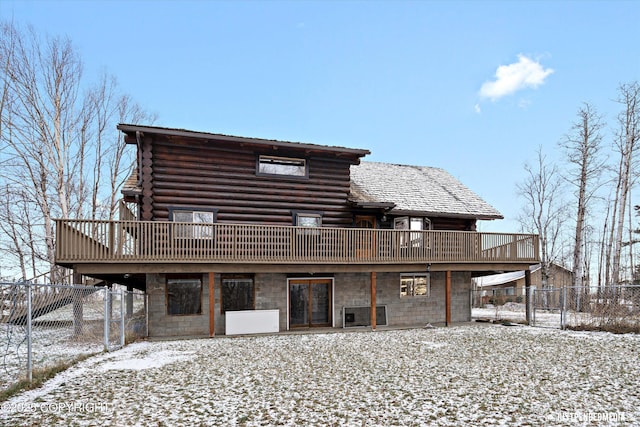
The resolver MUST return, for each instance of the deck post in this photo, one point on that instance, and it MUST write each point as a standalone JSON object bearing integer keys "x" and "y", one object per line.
{"x": 129, "y": 301}
{"x": 212, "y": 311}
{"x": 373, "y": 300}
{"x": 527, "y": 288}
{"x": 447, "y": 297}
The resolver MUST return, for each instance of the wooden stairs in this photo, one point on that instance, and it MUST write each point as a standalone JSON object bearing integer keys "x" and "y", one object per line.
{"x": 44, "y": 300}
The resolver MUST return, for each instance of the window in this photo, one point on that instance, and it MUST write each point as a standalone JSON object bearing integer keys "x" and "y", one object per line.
{"x": 415, "y": 285}
{"x": 184, "y": 295}
{"x": 413, "y": 224}
{"x": 287, "y": 166}
{"x": 308, "y": 220}
{"x": 192, "y": 217}
{"x": 238, "y": 292}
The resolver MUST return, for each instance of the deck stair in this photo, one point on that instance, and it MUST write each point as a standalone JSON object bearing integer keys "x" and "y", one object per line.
{"x": 44, "y": 299}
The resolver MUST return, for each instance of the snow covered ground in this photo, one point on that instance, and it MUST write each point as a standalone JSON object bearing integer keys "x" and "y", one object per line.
{"x": 50, "y": 346}
{"x": 465, "y": 375}
{"x": 516, "y": 312}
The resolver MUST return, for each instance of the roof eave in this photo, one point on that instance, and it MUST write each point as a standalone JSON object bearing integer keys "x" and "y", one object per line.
{"x": 373, "y": 205}
{"x": 131, "y": 129}
{"x": 483, "y": 217}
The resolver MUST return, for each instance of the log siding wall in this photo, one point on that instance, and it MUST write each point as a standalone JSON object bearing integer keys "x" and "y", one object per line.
{"x": 211, "y": 175}
{"x": 146, "y": 174}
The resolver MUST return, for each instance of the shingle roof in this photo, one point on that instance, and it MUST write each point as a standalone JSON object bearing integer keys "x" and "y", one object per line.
{"x": 417, "y": 189}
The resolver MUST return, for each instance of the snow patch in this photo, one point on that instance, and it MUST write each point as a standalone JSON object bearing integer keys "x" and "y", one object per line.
{"x": 155, "y": 360}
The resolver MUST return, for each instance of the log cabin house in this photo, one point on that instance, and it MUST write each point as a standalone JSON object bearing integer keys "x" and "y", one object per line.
{"x": 234, "y": 235}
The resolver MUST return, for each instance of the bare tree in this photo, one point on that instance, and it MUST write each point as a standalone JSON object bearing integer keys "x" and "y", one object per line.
{"x": 59, "y": 133}
{"x": 626, "y": 143}
{"x": 583, "y": 151}
{"x": 543, "y": 210}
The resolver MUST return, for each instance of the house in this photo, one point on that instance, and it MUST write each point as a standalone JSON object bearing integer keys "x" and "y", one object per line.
{"x": 510, "y": 287}
{"x": 231, "y": 234}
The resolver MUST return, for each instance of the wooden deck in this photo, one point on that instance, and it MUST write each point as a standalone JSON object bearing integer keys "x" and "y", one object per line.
{"x": 86, "y": 241}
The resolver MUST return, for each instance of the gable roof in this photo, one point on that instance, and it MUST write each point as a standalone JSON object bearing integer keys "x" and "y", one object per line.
{"x": 416, "y": 190}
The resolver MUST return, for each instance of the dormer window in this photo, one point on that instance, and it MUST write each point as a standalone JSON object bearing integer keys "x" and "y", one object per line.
{"x": 283, "y": 166}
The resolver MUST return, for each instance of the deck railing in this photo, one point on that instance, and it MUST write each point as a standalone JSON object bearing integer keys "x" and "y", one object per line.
{"x": 87, "y": 241}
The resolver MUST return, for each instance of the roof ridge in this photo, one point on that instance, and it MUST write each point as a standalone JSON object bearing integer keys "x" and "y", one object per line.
{"x": 404, "y": 165}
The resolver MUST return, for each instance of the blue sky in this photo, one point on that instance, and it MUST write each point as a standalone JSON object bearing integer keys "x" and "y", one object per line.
{"x": 473, "y": 87}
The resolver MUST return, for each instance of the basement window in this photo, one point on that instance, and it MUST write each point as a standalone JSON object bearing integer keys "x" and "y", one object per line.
{"x": 184, "y": 295}
{"x": 285, "y": 166}
{"x": 415, "y": 285}
{"x": 238, "y": 292}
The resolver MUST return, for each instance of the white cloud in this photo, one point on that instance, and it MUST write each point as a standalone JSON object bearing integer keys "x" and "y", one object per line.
{"x": 477, "y": 108}
{"x": 526, "y": 73}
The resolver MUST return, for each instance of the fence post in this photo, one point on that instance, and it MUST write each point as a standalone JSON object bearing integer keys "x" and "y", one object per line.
{"x": 29, "y": 334}
{"x": 106, "y": 319}
{"x": 146, "y": 314}
{"x": 532, "y": 301}
{"x": 563, "y": 308}
{"x": 122, "y": 294}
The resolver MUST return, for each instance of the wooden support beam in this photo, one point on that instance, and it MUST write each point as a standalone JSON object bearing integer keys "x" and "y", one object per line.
{"x": 373, "y": 300}
{"x": 527, "y": 299}
{"x": 212, "y": 311}
{"x": 129, "y": 301}
{"x": 119, "y": 268}
{"x": 447, "y": 297}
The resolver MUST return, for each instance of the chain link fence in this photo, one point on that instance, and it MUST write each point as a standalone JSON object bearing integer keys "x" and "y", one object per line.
{"x": 45, "y": 326}
{"x": 505, "y": 304}
{"x": 612, "y": 308}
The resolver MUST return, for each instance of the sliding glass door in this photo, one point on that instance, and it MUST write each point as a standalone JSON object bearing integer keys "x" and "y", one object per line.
{"x": 309, "y": 302}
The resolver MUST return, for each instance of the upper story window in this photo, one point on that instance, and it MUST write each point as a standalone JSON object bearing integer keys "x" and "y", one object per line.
{"x": 193, "y": 217}
{"x": 307, "y": 219}
{"x": 414, "y": 224}
{"x": 411, "y": 223}
{"x": 284, "y": 166}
